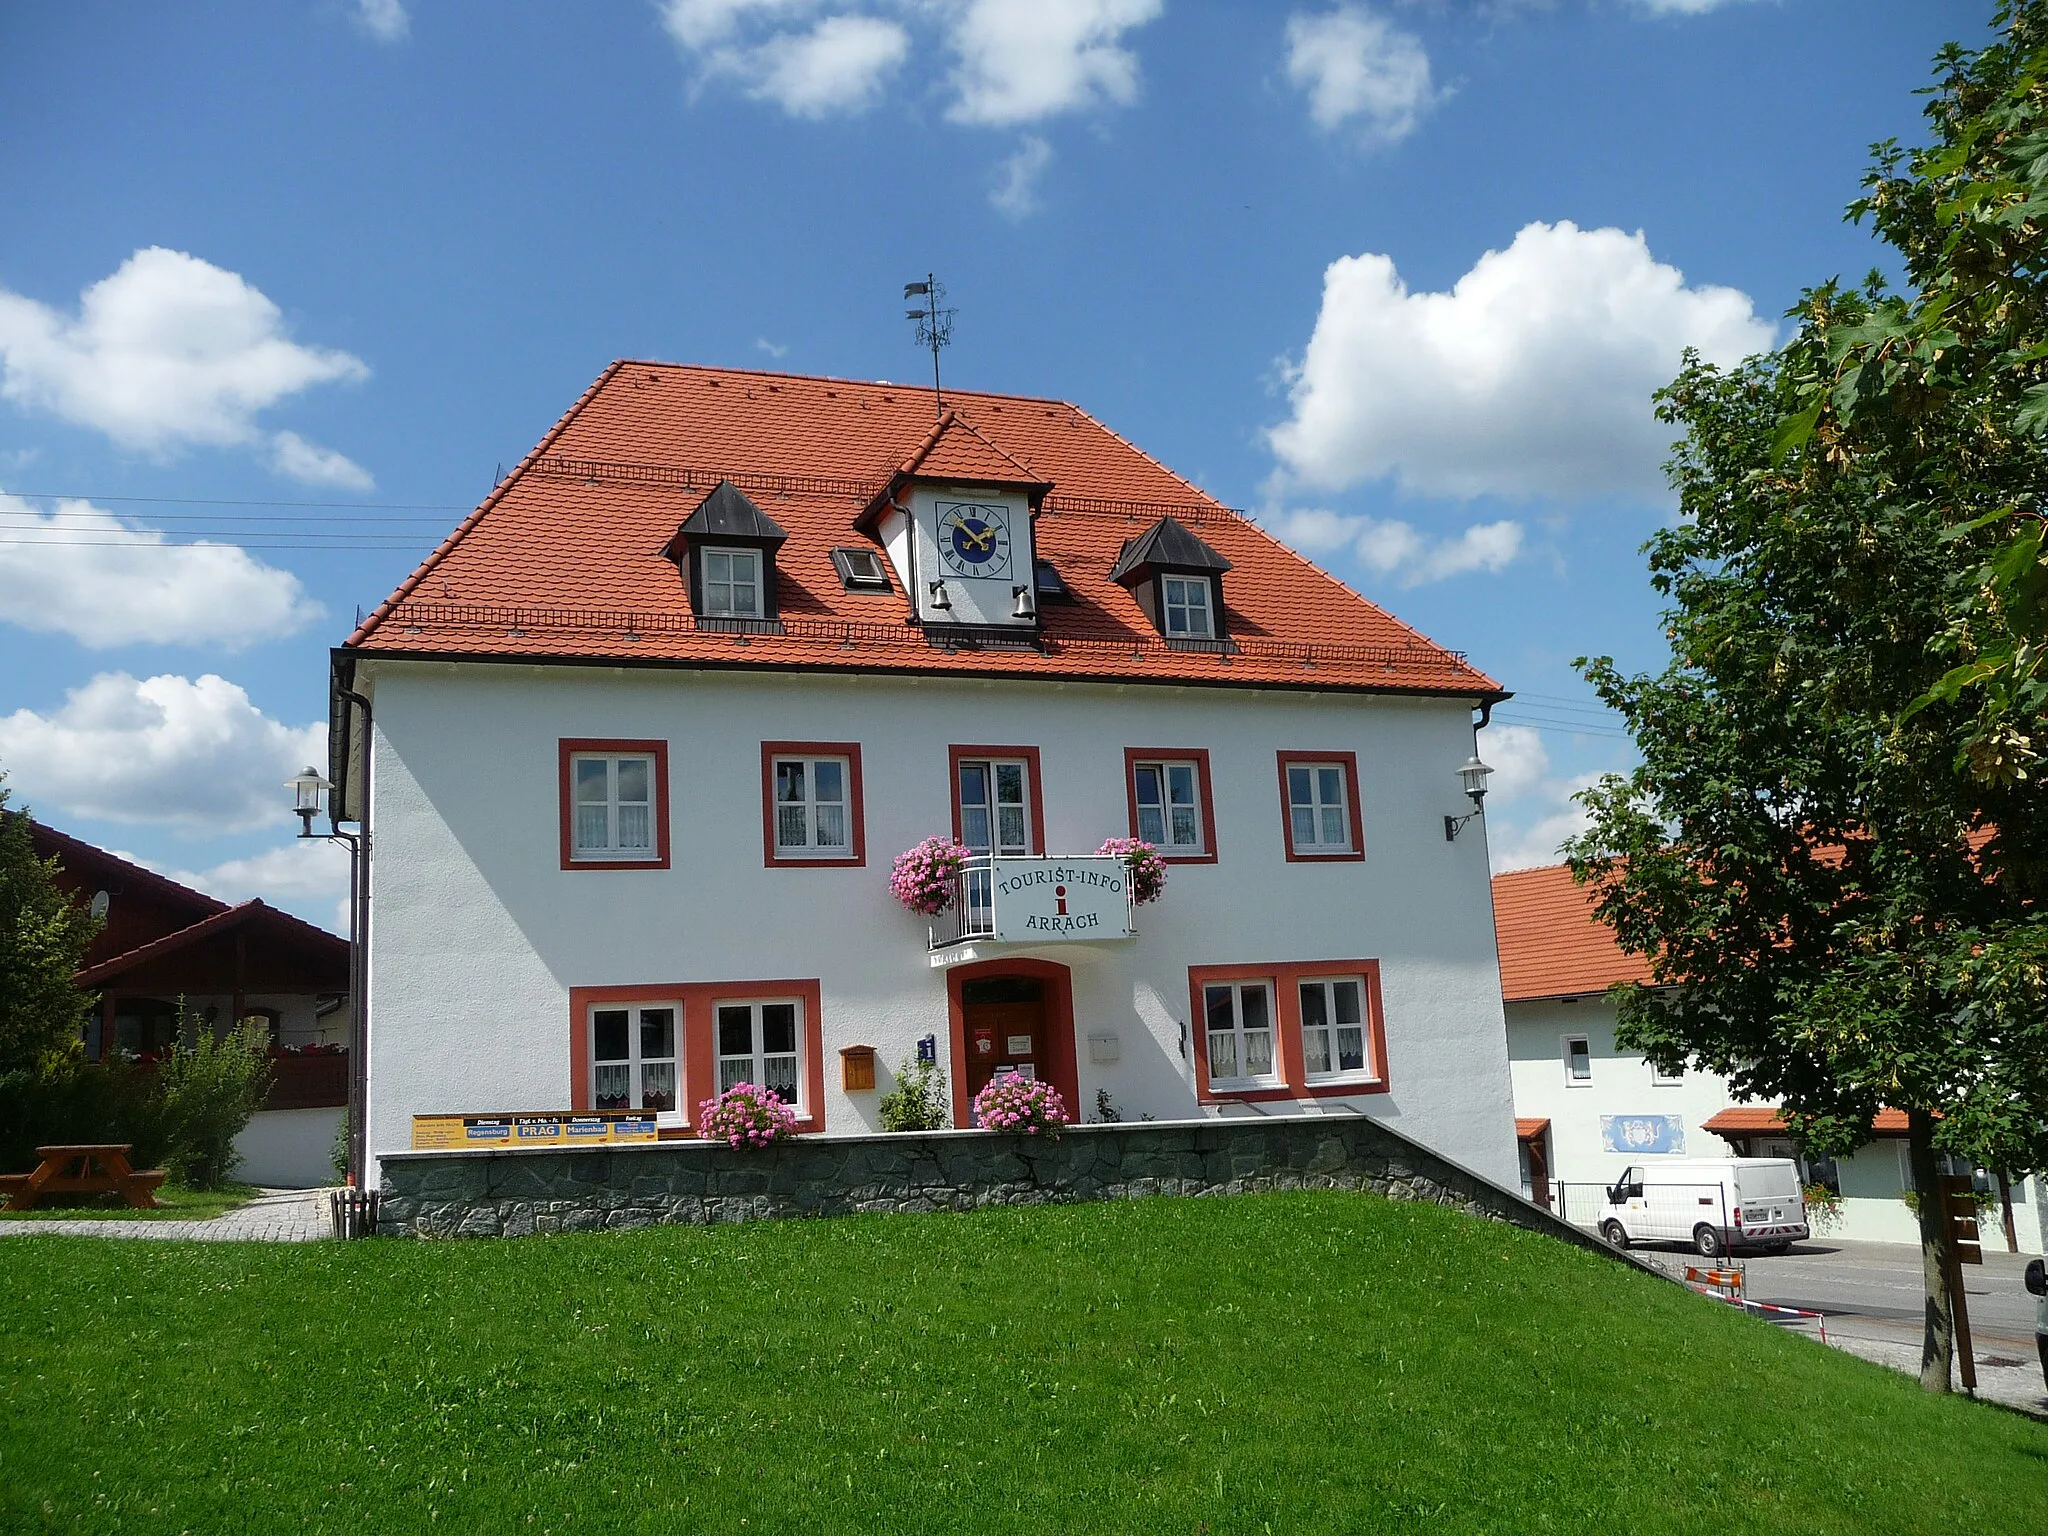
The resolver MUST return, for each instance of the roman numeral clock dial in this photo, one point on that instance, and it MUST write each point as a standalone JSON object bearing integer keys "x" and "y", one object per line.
{"x": 974, "y": 539}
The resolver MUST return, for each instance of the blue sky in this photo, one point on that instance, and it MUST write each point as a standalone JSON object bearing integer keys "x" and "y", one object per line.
{"x": 283, "y": 284}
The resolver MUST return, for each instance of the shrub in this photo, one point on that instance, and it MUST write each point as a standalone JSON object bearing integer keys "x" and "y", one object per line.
{"x": 338, "y": 1153}
{"x": 1823, "y": 1209}
{"x": 923, "y": 877}
{"x": 918, "y": 1101}
{"x": 1148, "y": 869}
{"x": 1020, "y": 1104}
{"x": 746, "y": 1116}
{"x": 210, "y": 1090}
{"x": 77, "y": 1102}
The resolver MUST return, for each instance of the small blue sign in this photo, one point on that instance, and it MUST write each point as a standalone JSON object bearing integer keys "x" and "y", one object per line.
{"x": 1643, "y": 1135}
{"x": 928, "y": 1049}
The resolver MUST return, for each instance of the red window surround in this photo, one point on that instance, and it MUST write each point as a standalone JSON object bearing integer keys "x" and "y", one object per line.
{"x": 658, "y": 750}
{"x": 856, "y": 810}
{"x": 1293, "y": 1070}
{"x": 1348, "y": 761}
{"x": 1199, "y": 756}
{"x": 1034, "y": 790}
{"x": 700, "y": 1056}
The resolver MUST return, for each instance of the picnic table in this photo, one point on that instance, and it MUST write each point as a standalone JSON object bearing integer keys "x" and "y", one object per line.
{"x": 68, "y": 1170}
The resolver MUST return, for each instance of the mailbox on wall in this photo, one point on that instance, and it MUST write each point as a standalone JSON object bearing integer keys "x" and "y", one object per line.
{"x": 856, "y": 1067}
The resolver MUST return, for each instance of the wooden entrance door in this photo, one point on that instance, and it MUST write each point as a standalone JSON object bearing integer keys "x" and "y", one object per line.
{"x": 1004, "y": 1019}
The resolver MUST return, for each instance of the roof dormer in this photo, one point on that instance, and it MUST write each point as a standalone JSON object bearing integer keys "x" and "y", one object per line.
{"x": 1177, "y": 579}
{"x": 726, "y": 549}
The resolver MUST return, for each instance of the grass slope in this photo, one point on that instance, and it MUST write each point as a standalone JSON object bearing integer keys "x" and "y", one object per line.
{"x": 1287, "y": 1363}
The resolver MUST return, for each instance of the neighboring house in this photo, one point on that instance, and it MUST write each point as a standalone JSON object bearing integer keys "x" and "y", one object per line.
{"x": 1586, "y": 1109}
{"x": 652, "y": 724}
{"x": 164, "y": 947}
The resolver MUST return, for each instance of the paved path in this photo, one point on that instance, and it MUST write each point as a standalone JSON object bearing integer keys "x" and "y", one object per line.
{"x": 274, "y": 1216}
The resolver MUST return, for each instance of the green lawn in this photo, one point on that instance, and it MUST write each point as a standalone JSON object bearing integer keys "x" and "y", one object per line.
{"x": 174, "y": 1202}
{"x": 1314, "y": 1362}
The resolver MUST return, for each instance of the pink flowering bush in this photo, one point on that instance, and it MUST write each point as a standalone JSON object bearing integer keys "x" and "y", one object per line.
{"x": 746, "y": 1116}
{"x": 923, "y": 877}
{"x": 1148, "y": 869}
{"x": 1020, "y": 1104}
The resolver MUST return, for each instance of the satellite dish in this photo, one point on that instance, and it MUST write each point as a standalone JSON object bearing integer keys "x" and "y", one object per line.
{"x": 100, "y": 902}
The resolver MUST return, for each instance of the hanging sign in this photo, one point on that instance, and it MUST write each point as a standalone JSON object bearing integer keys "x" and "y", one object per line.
{"x": 1058, "y": 901}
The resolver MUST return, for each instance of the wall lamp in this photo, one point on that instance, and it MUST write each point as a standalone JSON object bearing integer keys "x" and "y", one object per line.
{"x": 1473, "y": 776}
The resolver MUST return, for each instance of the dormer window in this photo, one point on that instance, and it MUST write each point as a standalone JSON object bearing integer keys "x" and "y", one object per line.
{"x": 1187, "y": 608}
{"x": 726, "y": 549}
{"x": 1177, "y": 580}
{"x": 732, "y": 584}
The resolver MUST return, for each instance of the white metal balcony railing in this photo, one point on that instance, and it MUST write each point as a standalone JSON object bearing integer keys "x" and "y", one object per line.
{"x": 1038, "y": 900}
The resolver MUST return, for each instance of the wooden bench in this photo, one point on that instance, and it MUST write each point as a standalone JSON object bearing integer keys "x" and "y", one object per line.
{"x": 68, "y": 1170}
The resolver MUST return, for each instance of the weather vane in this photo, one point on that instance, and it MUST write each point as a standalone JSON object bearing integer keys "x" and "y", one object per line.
{"x": 934, "y": 328}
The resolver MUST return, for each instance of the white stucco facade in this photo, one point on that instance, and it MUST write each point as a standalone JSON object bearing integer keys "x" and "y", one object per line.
{"x": 478, "y": 932}
{"x": 1621, "y": 1084}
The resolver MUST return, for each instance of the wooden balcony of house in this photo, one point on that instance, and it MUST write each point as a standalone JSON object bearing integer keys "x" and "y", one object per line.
{"x": 308, "y": 1082}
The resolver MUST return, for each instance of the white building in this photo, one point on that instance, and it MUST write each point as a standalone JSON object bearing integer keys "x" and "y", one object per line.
{"x": 1586, "y": 1109}
{"x": 651, "y": 726}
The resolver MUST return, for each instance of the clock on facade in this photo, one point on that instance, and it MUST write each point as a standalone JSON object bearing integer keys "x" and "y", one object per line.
{"x": 974, "y": 538}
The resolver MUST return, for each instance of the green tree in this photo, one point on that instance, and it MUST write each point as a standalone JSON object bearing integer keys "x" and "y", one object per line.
{"x": 1835, "y": 852}
{"x": 1943, "y": 389}
{"x": 43, "y": 937}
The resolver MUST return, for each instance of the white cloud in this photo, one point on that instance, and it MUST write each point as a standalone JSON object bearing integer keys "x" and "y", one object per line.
{"x": 1022, "y": 60}
{"x": 839, "y": 65}
{"x": 1390, "y": 547}
{"x": 773, "y": 349}
{"x": 1532, "y": 376}
{"x": 1016, "y": 197}
{"x": 385, "y": 20}
{"x": 1355, "y": 65}
{"x": 308, "y": 878}
{"x": 1529, "y": 809}
{"x": 291, "y": 454}
{"x": 167, "y": 352}
{"x": 191, "y": 754}
{"x": 78, "y": 570}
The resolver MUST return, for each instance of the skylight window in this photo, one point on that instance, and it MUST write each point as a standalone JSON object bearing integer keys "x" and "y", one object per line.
{"x": 1052, "y": 587}
{"x": 861, "y": 570}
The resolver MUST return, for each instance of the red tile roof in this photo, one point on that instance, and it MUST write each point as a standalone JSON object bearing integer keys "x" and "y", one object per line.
{"x": 1746, "y": 1120}
{"x": 1550, "y": 943}
{"x": 1530, "y": 1129}
{"x": 563, "y": 559}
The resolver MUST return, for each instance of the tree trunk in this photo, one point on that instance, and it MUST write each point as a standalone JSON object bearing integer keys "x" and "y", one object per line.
{"x": 1937, "y": 1344}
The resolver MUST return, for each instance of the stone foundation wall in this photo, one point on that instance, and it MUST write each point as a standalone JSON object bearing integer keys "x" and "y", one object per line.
{"x": 512, "y": 1193}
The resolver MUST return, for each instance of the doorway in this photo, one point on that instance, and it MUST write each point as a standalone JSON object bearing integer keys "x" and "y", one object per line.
{"x": 1011, "y": 1016}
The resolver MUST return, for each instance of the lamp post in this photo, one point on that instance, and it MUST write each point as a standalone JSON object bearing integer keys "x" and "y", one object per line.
{"x": 311, "y": 792}
{"x": 1472, "y": 774}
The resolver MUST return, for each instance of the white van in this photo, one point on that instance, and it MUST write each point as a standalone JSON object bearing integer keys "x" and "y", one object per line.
{"x": 1715, "y": 1204}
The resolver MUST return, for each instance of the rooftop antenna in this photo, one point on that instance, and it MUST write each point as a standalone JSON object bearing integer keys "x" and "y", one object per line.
{"x": 934, "y": 328}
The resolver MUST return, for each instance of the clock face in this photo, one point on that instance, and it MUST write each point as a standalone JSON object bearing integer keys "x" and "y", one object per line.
{"x": 974, "y": 538}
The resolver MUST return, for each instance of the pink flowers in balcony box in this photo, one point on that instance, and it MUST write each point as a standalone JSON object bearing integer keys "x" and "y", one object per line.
{"x": 1019, "y": 1104}
{"x": 923, "y": 878}
{"x": 1148, "y": 869}
{"x": 746, "y": 1116}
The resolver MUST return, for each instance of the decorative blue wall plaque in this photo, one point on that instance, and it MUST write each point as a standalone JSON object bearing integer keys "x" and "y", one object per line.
{"x": 1643, "y": 1135}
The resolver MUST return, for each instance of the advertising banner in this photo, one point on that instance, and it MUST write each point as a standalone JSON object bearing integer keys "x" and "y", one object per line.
{"x": 544, "y": 1128}
{"x": 1643, "y": 1135}
{"x": 1048, "y": 900}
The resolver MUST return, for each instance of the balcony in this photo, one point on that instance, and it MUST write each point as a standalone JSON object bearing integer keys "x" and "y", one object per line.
{"x": 1048, "y": 899}
{"x": 308, "y": 1082}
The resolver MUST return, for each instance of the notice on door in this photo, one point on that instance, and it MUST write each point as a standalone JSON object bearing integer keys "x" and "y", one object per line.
{"x": 1061, "y": 901}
